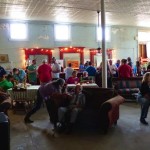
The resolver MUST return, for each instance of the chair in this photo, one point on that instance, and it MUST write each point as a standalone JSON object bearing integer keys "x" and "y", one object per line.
{"x": 62, "y": 75}
{"x": 20, "y": 100}
{"x": 79, "y": 74}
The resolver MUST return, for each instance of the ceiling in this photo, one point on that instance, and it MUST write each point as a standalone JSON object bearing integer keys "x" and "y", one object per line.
{"x": 118, "y": 12}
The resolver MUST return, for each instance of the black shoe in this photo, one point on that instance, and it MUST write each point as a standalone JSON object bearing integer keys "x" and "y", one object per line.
{"x": 143, "y": 121}
{"x": 27, "y": 120}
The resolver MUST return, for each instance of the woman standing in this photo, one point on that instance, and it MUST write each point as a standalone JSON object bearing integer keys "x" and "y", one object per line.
{"x": 144, "y": 97}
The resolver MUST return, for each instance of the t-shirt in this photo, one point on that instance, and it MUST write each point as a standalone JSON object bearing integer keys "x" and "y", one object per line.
{"x": 32, "y": 76}
{"x": 81, "y": 68}
{"x": 5, "y": 85}
{"x": 55, "y": 67}
{"x": 20, "y": 76}
{"x": 68, "y": 72}
{"x": 44, "y": 72}
{"x": 91, "y": 71}
{"x": 72, "y": 80}
{"x": 125, "y": 71}
{"x": 113, "y": 69}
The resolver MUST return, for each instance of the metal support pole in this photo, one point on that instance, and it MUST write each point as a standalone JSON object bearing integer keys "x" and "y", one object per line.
{"x": 104, "y": 61}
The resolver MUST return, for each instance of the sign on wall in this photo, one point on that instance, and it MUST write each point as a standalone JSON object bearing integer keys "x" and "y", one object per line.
{"x": 3, "y": 58}
{"x": 74, "y": 63}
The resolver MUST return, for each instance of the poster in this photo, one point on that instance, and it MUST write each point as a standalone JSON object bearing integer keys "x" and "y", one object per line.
{"x": 74, "y": 63}
{"x": 4, "y": 58}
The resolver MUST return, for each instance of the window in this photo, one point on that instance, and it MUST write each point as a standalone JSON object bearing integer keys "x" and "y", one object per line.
{"x": 18, "y": 31}
{"x": 107, "y": 34}
{"x": 143, "y": 36}
{"x": 62, "y": 32}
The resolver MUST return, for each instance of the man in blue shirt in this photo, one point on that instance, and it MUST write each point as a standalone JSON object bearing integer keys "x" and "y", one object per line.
{"x": 19, "y": 75}
{"x": 91, "y": 70}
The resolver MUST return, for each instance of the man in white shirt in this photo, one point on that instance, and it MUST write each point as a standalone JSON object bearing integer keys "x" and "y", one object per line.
{"x": 68, "y": 71}
{"x": 113, "y": 68}
{"x": 55, "y": 69}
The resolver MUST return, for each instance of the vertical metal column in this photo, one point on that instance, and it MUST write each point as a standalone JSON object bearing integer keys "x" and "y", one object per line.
{"x": 104, "y": 64}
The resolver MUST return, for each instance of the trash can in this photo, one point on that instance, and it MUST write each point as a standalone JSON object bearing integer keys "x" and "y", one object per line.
{"x": 4, "y": 132}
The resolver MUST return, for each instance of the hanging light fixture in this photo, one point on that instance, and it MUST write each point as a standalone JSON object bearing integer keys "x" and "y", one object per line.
{"x": 99, "y": 48}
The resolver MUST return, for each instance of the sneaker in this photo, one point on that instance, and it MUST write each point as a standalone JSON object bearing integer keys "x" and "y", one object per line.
{"x": 60, "y": 127}
{"x": 143, "y": 121}
{"x": 28, "y": 120}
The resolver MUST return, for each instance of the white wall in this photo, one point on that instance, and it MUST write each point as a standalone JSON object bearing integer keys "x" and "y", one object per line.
{"x": 82, "y": 35}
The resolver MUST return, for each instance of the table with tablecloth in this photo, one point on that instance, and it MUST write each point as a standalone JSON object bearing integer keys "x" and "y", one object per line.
{"x": 31, "y": 92}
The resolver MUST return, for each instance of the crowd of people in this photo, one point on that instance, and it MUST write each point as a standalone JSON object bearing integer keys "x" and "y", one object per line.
{"x": 51, "y": 86}
{"x": 45, "y": 72}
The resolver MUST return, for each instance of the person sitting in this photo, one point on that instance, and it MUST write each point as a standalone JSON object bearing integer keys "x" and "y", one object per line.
{"x": 5, "y": 102}
{"x": 73, "y": 79}
{"x": 144, "y": 97}
{"x": 6, "y": 82}
{"x": 19, "y": 75}
{"x": 85, "y": 76}
{"x": 76, "y": 105}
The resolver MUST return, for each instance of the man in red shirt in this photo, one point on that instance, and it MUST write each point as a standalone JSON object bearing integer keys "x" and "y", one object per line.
{"x": 44, "y": 72}
{"x": 125, "y": 71}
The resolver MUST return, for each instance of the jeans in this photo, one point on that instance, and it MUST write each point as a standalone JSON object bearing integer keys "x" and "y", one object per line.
{"x": 73, "y": 114}
{"x": 145, "y": 103}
